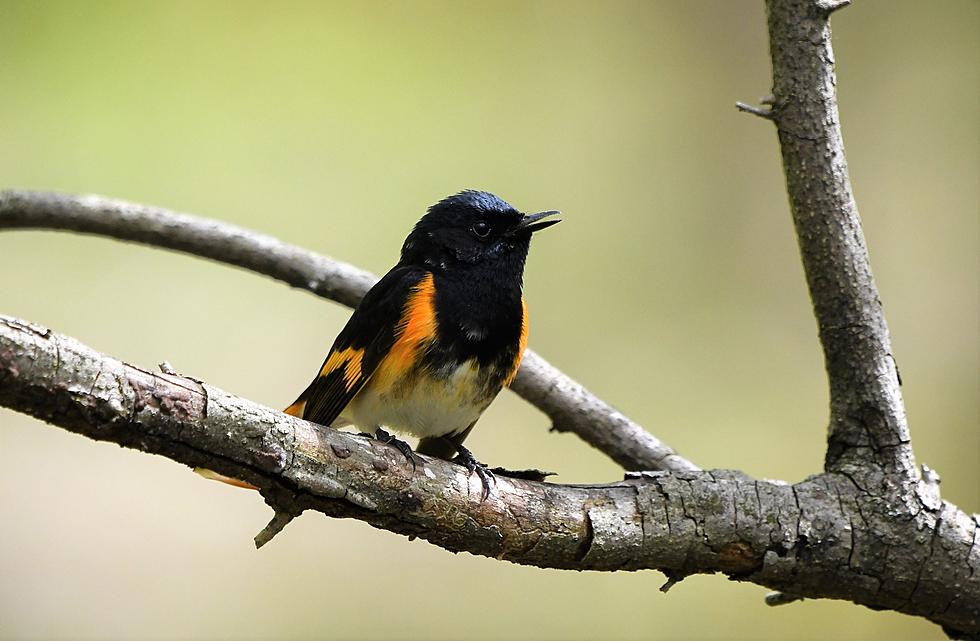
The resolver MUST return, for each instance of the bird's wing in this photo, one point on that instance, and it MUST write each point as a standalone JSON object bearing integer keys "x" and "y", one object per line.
{"x": 372, "y": 331}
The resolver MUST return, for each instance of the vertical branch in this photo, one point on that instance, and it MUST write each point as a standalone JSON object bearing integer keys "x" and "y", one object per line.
{"x": 867, "y": 417}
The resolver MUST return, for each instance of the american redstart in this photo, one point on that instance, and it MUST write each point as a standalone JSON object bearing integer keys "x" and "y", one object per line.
{"x": 436, "y": 339}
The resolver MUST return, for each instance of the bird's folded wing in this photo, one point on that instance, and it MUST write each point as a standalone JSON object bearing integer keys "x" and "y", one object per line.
{"x": 372, "y": 331}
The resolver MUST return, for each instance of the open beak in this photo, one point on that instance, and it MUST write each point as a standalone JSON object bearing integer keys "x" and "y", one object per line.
{"x": 530, "y": 221}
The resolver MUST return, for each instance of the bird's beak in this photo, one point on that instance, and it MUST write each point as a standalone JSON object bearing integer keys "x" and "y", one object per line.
{"x": 530, "y": 221}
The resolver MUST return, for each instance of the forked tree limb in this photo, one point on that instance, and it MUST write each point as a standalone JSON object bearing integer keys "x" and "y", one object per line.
{"x": 869, "y": 529}
{"x": 822, "y": 537}
{"x": 570, "y": 406}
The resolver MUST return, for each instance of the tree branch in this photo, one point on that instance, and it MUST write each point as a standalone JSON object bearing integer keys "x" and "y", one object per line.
{"x": 868, "y": 435}
{"x": 818, "y": 538}
{"x": 571, "y": 407}
{"x": 869, "y": 529}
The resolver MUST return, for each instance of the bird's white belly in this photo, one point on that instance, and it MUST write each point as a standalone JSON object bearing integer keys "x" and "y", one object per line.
{"x": 422, "y": 405}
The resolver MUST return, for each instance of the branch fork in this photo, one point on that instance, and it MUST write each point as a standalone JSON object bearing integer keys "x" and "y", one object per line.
{"x": 871, "y": 528}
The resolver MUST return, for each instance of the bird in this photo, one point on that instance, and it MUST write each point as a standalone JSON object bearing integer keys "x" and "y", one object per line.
{"x": 435, "y": 340}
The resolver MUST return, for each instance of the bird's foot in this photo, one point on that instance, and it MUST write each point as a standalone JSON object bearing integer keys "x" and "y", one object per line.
{"x": 399, "y": 445}
{"x": 465, "y": 458}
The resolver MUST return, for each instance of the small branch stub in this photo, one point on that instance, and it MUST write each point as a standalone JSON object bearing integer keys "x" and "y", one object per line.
{"x": 766, "y": 114}
{"x": 279, "y": 521}
{"x": 830, "y": 6}
{"x": 781, "y": 598}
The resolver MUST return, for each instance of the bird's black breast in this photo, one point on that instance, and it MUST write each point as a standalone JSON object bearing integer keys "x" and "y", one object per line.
{"x": 479, "y": 315}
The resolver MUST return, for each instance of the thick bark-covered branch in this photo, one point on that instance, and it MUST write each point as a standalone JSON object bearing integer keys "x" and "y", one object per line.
{"x": 868, "y": 435}
{"x": 571, "y": 407}
{"x": 823, "y": 537}
{"x": 868, "y": 530}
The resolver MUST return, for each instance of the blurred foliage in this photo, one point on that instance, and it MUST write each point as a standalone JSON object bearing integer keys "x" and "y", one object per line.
{"x": 672, "y": 289}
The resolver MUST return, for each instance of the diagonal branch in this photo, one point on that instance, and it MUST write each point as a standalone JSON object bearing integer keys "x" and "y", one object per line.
{"x": 867, "y": 415}
{"x": 571, "y": 407}
{"x": 797, "y": 538}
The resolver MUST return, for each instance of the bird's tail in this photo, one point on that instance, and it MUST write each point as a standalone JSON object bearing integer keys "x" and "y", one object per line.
{"x": 211, "y": 475}
{"x": 297, "y": 408}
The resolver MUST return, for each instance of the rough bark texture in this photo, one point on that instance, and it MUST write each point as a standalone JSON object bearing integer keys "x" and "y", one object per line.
{"x": 867, "y": 418}
{"x": 868, "y": 435}
{"x": 869, "y": 529}
{"x": 822, "y": 537}
{"x": 571, "y": 407}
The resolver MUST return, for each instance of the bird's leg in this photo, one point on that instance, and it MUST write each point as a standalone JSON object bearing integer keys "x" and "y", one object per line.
{"x": 399, "y": 445}
{"x": 465, "y": 457}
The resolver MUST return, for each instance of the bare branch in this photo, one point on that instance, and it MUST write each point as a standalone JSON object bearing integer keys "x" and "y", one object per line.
{"x": 797, "y": 539}
{"x": 867, "y": 418}
{"x": 158, "y": 227}
{"x": 868, "y": 530}
{"x": 570, "y": 406}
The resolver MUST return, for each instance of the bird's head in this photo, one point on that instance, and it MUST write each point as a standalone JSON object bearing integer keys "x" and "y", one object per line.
{"x": 472, "y": 227}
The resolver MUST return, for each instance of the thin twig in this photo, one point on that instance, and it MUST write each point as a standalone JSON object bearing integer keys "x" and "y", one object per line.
{"x": 830, "y": 6}
{"x": 280, "y": 520}
{"x": 756, "y": 111}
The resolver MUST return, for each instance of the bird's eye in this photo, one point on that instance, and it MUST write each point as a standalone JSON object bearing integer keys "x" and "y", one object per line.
{"x": 481, "y": 229}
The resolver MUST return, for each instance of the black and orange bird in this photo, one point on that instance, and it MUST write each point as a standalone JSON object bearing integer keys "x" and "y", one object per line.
{"x": 438, "y": 337}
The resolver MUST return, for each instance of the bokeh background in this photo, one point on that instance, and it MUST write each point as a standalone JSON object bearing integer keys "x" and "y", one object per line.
{"x": 672, "y": 289}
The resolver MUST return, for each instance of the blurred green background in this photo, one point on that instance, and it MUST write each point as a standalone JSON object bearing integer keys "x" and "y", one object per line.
{"x": 673, "y": 289}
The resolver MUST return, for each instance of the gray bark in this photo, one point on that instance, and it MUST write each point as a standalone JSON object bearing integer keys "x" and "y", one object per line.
{"x": 823, "y": 537}
{"x": 869, "y": 529}
{"x": 868, "y": 430}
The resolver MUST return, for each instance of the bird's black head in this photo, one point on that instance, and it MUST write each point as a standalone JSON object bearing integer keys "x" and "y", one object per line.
{"x": 472, "y": 228}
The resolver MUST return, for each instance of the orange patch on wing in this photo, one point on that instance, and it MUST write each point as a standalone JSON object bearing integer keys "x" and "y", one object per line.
{"x": 348, "y": 358}
{"x": 521, "y": 346}
{"x": 416, "y": 327}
